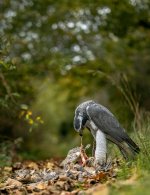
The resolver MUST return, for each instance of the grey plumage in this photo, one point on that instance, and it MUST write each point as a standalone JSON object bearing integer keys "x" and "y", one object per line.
{"x": 98, "y": 118}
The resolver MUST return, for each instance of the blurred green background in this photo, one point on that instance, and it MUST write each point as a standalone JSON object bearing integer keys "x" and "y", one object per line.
{"x": 56, "y": 54}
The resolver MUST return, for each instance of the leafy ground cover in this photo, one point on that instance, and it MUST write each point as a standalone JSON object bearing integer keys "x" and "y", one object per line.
{"x": 76, "y": 174}
{"x": 59, "y": 177}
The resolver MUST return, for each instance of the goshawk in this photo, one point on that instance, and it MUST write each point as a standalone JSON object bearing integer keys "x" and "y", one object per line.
{"x": 104, "y": 126}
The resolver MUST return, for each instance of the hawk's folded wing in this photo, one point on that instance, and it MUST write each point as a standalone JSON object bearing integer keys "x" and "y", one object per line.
{"x": 108, "y": 124}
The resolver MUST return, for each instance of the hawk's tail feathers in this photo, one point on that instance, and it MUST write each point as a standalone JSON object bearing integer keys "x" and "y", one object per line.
{"x": 132, "y": 145}
{"x": 128, "y": 148}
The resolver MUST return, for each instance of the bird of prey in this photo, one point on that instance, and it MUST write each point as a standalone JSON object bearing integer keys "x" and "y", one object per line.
{"x": 104, "y": 126}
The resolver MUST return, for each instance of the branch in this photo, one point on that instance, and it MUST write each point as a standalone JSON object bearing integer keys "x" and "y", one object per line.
{"x": 6, "y": 86}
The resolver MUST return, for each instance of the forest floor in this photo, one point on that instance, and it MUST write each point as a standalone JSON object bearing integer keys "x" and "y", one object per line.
{"x": 73, "y": 176}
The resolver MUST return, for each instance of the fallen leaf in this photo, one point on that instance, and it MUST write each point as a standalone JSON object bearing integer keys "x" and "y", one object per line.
{"x": 8, "y": 169}
{"x": 11, "y": 183}
{"x": 49, "y": 165}
{"x": 41, "y": 185}
{"x": 60, "y": 185}
{"x": 32, "y": 165}
{"x": 99, "y": 176}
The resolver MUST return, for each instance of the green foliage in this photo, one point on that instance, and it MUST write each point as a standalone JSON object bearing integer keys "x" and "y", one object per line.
{"x": 8, "y": 151}
{"x": 54, "y": 54}
{"x": 140, "y": 167}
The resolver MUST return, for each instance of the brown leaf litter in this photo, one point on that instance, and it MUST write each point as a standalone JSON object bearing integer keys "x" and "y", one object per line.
{"x": 74, "y": 175}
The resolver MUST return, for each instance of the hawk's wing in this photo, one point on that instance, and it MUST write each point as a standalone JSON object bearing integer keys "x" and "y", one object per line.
{"x": 108, "y": 124}
{"x": 106, "y": 121}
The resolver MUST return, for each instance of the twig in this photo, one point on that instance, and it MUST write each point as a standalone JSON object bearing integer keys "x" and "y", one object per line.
{"x": 7, "y": 87}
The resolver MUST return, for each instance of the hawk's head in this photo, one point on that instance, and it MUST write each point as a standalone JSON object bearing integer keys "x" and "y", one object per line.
{"x": 81, "y": 116}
